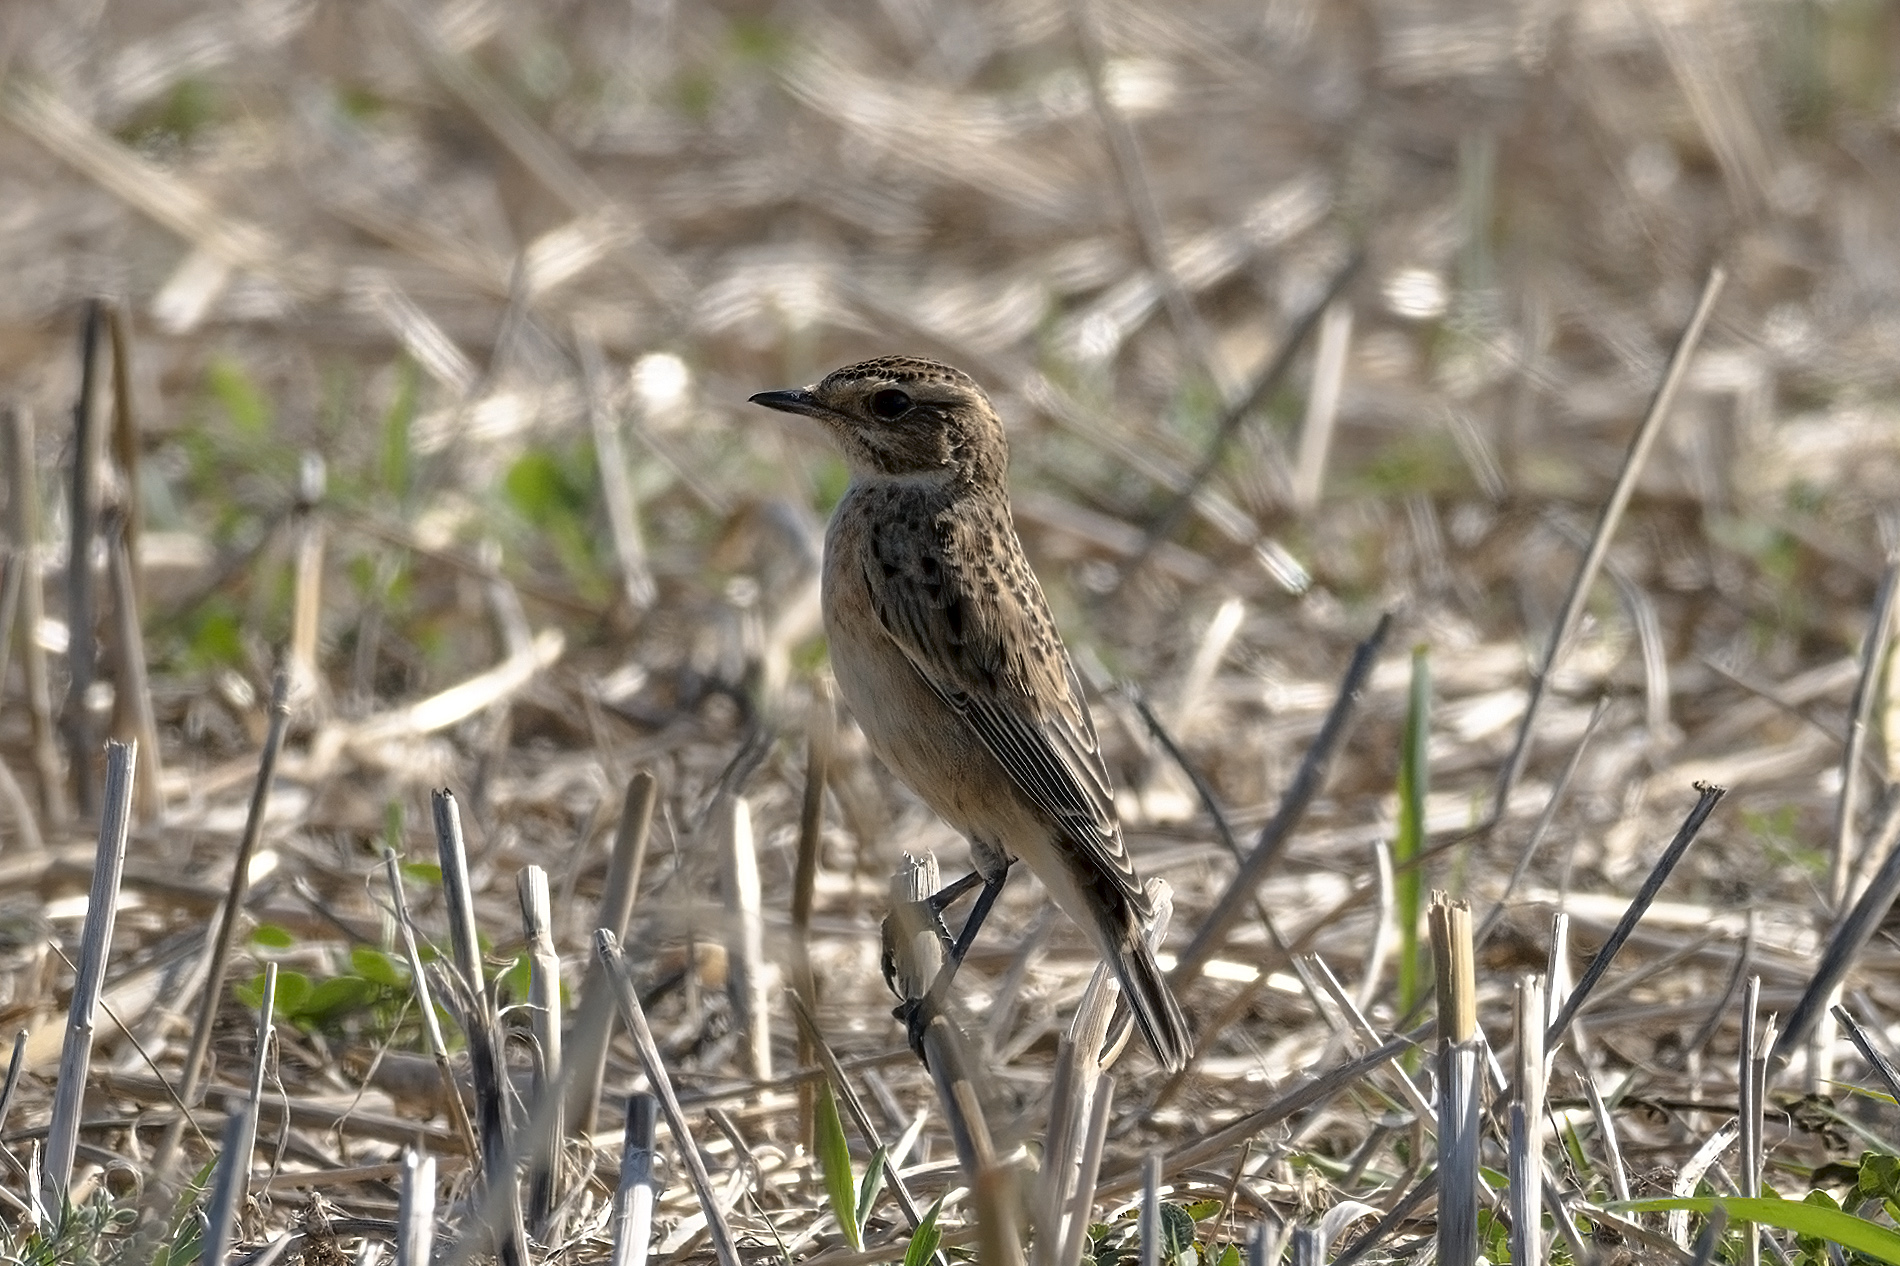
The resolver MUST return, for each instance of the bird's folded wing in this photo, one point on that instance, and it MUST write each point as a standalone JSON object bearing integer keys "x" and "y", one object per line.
{"x": 992, "y": 654}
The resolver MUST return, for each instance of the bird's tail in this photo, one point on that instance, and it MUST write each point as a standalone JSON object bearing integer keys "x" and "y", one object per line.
{"x": 1150, "y": 1001}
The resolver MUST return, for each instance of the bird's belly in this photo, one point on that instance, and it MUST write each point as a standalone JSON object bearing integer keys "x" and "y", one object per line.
{"x": 923, "y": 740}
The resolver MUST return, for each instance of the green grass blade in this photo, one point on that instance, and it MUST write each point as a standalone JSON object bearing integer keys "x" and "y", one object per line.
{"x": 1414, "y": 779}
{"x": 924, "y": 1241}
{"x": 867, "y": 1190}
{"x": 834, "y": 1161}
{"x": 1834, "y": 1225}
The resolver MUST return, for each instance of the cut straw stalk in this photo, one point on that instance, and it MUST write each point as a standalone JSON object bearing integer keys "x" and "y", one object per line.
{"x": 227, "y": 1187}
{"x": 594, "y": 1015}
{"x": 637, "y": 589}
{"x": 1322, "y": 406}
{"x": 916, "y": 955}
{"x": 83, "y": 521}
{"x": 633, "y": 1198}
{"x": 133, "y": 715}
{"x": 425, "y": 1005}
{"x": 1752, "y": 1081}
{"x": 233, "y": 1184}
{"x": 481, "y": 1029}
{"x": 1459, "y": 1083}
{"x": 749, "y": 978}
{"x": 544, "y": 1002}
{"x": 115, "y": 824}
{"x": 415, "y": 1217}
{"x": 1078, "y": 1112}
{"x": 23, "y": 506}
{"x": 820, "y": 736}
{"x": 1526, "y": 1156}
{"x": 620, "y": 974}
{"x": 306, "y": 608}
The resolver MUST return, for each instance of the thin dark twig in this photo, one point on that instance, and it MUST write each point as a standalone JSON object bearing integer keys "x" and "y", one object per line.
{"x": 854, "y": 1106}
{"x": 1293, "y": 803}
{"x": 1652, "y": 884}
{"x": 1202, "y": 789}
{"x": 1744, "y": 959}
{"x": 1544, "y": 819}
{"x": 1607, "y": 521}
{"x": 1848, "y": 939}
{"x": 81, "y": 647}
{"x": 1842, "y": 865}
{"x": 125, "y": 442}
{"x": 220, "y": 957}
{"x": 1864, "y": 1043}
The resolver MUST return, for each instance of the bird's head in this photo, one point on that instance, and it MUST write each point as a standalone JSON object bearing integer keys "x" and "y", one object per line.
{"x": 903, "y": 417}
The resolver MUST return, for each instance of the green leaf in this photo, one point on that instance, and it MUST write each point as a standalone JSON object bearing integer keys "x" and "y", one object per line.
{"x": 1833, "y": 1225}
{"x": 834, "y": 1161}
{"x": 337, "y": 997}
{"x": 1879, "y": 1177}
{"x": 215, "y": 635}
{"x": 429, "y": 873}
{"x": 542, "y": 490}
{"x": 1177, "y": 1234}
{"x": 272, "y": 936}
{"x": 513, "y": 982}
{"x": 867, "y": 1190}
{"x": 1202, "y": 1210}
{"x": 293, "y": 991}
{"x": 924, "y": 1241}
{"x": 1229, "y": 1256}
{"x": 1813, "y": 1246}
{"x": 379, "y": 968}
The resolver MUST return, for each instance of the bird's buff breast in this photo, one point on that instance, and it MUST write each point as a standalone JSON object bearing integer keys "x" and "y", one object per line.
{"x": 912, "y": 730}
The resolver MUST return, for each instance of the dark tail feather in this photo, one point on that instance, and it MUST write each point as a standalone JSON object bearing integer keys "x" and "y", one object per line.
{"x": 1152, "y": 1003}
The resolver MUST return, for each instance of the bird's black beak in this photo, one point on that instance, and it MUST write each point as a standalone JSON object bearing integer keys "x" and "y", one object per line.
{"x": 795, "y": 400}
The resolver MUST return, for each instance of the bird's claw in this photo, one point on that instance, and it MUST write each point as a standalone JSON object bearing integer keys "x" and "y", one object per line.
{"x": 916, "y": 1015}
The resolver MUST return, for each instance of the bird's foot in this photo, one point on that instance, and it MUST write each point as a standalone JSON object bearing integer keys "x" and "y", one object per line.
{"x": 916, "y": 1015}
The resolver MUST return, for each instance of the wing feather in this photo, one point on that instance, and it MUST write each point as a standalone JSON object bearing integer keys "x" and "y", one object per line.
{"x": 980, "y": 635}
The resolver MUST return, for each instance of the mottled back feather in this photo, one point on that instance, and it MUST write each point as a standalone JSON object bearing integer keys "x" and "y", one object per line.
{"x": 970, "y": 616}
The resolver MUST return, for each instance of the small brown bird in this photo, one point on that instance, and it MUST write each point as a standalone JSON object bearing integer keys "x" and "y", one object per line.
{"x": 944, "y": 649}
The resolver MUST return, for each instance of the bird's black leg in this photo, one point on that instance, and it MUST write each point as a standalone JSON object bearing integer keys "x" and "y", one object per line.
{"x": 944, "y": 898}
{"x": 917, "y": 1013}
{"x": 979, "y": 911}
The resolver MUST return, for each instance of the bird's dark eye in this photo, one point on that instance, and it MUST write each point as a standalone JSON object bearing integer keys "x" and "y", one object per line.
{"x": 890, "y": 404}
